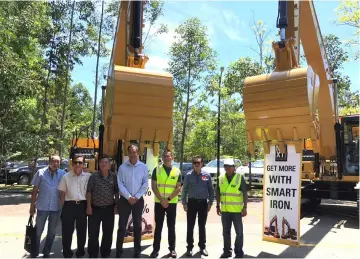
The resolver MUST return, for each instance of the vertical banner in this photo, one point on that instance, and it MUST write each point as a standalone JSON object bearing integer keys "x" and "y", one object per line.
{"x": 282, "y": 196}
{"x": 148, "y": 220}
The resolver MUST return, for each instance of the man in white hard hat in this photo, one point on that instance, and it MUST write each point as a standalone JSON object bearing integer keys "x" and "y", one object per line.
{"x": 233, "y": 198}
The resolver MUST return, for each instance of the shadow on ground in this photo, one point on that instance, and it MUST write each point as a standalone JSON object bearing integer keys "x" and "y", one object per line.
{"x": 325, "y": 218}
{"x": 14, "y": 198}
{"x": 56, "y": 250}
{"x": 129, "y": 252}
{"x": 15, "y": 188}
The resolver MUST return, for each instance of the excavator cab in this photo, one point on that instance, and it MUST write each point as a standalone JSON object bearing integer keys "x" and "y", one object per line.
{"x": 88, "y": 147}
{"x": 350, "y": 126}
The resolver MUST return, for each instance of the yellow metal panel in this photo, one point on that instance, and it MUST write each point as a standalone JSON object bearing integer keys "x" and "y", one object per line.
{"x": 85, "y": 142}
{"x": 292, "y": 111}
{"x": 279, "y": 102}
{"x": 142, "y": 106}
{"x": 316, "y": 58}
{"x": 135, "y": 124}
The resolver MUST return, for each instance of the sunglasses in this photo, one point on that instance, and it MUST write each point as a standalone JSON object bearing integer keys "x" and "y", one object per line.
{"x": 196, "y": 163}
{"x": 78, "y": 163}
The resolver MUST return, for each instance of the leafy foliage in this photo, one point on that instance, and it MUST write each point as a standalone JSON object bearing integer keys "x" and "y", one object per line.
{"x": 348, "y": 13}
{"x": 191, "y": 58}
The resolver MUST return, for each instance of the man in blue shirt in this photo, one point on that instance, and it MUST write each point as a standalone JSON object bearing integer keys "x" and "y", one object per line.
{"x": 133, "y": 180}
{"x": 197, "y": 199}
{"x": 45, "y": 198}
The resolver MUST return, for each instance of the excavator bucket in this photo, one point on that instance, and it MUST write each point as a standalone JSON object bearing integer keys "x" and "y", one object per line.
{"x": 139, "y": 106}
{"x": 282, "y": 106}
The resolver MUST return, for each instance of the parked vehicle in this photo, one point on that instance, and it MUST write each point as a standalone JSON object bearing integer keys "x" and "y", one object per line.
{"x": 186, "y": 167}
{"x": 211, "y": 168}
{"x": 257, "y": 172}
{"x": 21, "y": 173}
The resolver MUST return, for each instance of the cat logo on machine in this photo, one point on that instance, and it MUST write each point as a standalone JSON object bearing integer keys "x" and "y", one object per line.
{"x": 280, "y": 156}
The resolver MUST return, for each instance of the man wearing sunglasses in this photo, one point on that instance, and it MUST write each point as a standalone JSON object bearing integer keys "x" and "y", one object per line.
{"x": 197, "y": 198}
{"x": 73, "y": 198}
{"x": 233, "y": 198}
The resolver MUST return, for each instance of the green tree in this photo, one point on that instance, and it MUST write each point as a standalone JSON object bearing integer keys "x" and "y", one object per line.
{"x": 21, "y": 63}
{"x": 261, "y": 33}
{"x": 152, "y": 11}
{"x": 337, "y": 56}
{"x": 190, "y": 59}
{"x": 237, "y": 72}
{"x": 348, "y": 13}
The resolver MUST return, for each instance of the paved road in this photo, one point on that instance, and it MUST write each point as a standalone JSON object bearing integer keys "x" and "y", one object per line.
{"x": 328, "y": 231}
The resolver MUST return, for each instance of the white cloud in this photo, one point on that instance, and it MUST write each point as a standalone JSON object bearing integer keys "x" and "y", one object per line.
{"x": 160, "y": 43}
{"x": 225, "y": 21}
{"x": 157, "y": 63}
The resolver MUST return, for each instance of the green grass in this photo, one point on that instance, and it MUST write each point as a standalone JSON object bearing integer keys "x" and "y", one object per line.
{"x": 15, "y": 188}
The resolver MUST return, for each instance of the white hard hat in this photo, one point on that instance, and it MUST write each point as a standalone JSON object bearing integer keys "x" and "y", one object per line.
{"x": 229, "y": 161}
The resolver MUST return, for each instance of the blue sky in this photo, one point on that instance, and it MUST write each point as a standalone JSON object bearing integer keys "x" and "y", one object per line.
{"x": 229, "y": 32}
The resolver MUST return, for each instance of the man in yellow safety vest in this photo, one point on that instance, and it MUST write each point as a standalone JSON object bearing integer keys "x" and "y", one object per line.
{"x": 166, "y": 185}
{"x": 233, "y": 198}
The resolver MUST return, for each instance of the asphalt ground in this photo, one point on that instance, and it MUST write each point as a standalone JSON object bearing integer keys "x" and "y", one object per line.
{"x": 330, "y": 230}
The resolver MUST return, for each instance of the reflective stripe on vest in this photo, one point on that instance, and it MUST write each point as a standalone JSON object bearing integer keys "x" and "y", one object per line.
{"x": 167, "y": 184}
{"x": 230, "y": 197}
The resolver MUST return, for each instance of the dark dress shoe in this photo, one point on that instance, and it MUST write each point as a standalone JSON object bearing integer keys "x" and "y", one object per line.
{"x": 154, "y": 254}
{"x": 204, "y": 252}
{"x": 173, "y": 254}
{"x": 225, "y": 256}
{"x": 189, "y": 253}
{"x": 137, "y": 255}
{"x": 119, "y": 255}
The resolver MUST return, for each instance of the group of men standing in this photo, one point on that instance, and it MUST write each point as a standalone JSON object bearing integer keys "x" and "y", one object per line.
{"x": 83, "y": 200}
{"x": 197, "y": 199}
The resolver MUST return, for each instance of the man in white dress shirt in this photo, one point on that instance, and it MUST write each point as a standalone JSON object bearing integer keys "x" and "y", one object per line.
{"x": 133, "y": 180}
{"x": 73, "y": 198}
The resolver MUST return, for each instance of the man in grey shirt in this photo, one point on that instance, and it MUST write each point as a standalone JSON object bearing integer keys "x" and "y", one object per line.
{"x": 197, "y": 198}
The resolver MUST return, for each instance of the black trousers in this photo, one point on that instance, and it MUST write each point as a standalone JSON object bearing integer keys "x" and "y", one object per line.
{"x": 74, "y": 214}
{"x": 104, "y": 215}
{"x": 196, "y": 207}
{"x": 125, "y": 208}
{"x": 160, "y": 212}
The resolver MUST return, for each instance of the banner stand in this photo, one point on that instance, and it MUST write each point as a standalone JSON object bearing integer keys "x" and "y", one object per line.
{"x": 282, "y": 196}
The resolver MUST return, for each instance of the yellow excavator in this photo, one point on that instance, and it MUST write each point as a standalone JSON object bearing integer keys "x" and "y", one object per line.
{"x": 137, "y": 103}
{"x": 298, "y": 105}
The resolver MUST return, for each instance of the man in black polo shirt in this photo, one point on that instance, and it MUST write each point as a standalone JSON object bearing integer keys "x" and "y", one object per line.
{"x": 102, "y": 198}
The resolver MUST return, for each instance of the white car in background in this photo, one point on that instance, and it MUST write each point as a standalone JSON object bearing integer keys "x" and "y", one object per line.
{"x": 257, "y": 172}
{"x": 211, "y": 168}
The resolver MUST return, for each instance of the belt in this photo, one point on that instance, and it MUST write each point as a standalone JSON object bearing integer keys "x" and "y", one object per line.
{"x": 197, "y": 200}
{"x": 103, "y": 207}
{"x": 76, "y": 202}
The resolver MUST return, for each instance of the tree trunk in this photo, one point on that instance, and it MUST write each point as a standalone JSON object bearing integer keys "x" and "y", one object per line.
{"x": 186, "y": 117}
{"x": 67, "y": 81}
{"x": 97, "y": 69}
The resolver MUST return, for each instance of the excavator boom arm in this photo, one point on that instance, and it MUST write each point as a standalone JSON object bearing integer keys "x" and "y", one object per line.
{"x": 293, "y": 103}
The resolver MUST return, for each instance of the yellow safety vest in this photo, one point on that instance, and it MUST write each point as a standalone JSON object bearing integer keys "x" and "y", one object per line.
{"x": 167, "y": 184}
{"x": 231, "y": 198}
